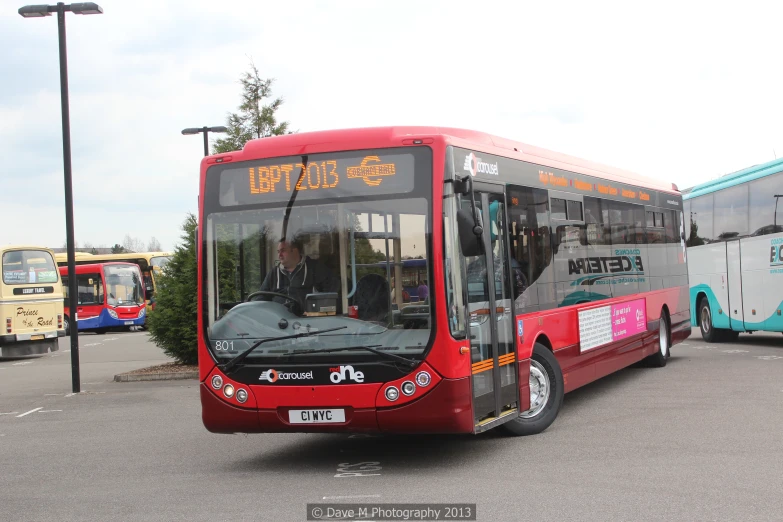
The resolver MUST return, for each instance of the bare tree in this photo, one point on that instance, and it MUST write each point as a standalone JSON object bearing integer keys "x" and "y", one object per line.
{"x": 132, "y": 244}
{"x": 153, "y": 245}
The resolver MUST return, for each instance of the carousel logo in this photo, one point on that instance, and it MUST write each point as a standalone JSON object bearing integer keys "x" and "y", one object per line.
{"x": 274, "y": 376}
{"x": 474, "y": 165}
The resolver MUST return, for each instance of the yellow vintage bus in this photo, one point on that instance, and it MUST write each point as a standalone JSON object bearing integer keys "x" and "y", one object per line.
{"x": 150, "y": 264}
{"x": 31, "y": 302}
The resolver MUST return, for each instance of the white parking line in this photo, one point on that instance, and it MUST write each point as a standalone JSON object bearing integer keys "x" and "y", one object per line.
{"x": 351, "y": 496}
{"x": 29, "y": 412}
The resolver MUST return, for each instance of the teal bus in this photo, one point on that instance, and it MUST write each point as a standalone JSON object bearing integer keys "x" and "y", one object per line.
{"x": 735, "y": 249}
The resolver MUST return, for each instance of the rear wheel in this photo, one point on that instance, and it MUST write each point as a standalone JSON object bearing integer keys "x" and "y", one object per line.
{"x": 67, "y": 325}
{"x": 546, "y": 394}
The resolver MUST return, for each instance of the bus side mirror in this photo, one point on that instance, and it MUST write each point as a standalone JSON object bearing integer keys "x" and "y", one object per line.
{"x": 470, "y": 243}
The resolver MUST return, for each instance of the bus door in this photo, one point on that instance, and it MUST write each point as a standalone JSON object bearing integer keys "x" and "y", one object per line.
{"x": 734, "y": 276}
{"x": 491, "y": 308}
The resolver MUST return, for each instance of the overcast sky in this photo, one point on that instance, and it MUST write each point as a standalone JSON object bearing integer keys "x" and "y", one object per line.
{"x": 683, "y": 91}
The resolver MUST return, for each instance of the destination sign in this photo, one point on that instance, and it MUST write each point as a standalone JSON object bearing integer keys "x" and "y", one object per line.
{"x": 34, "y": 290}
{"x": 317, "y": 176}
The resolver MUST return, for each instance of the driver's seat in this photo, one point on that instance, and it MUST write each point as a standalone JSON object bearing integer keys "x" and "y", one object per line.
{"x": 372, "y": 298}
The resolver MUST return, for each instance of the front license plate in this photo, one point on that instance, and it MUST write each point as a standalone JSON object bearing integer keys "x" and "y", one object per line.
{"x": 129, "y": 322}
{"x": 36, "y": 337}
{"x": 315, "y": 416}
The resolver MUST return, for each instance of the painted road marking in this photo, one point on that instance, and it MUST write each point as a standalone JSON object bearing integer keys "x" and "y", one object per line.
{"x": 768, "y": 357}
{"x": 23, "y": 363}
{"x": 70, "y": 395}
{"x": 29, "y": 412}
{"x": 48, "y": 411}
{"x": 735, "y": 351}
{"x": 346, "y": 469}
{"x": 351, "y": 496}
{"x": 10, "y": 413}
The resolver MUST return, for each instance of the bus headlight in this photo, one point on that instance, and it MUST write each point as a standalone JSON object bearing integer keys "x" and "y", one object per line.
{"x": 141, "y": 313}
{"x": 113, "y": 314}
{"x": 422, "y": 379}
{"x": 392, "y": 393}
{"x": 228, "y": 391}
{"x": 408, "y": 388}
{"x": 241, "y": 395}
{"x": 217, "y": 382}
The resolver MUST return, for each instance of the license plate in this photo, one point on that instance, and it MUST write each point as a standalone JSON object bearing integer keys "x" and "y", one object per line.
{"x": 316, "y": 416}
{"x": 36, "y": 337}
{"x": 129, "y": 322}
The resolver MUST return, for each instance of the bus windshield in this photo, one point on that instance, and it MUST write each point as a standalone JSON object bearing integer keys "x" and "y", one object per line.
{"x": 123, "y": 284}
{"x": 160, "y": 261}
{"x": 287, "y": 252}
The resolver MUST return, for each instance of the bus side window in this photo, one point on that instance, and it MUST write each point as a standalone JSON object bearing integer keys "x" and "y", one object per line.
{"x": 528, "y": 213}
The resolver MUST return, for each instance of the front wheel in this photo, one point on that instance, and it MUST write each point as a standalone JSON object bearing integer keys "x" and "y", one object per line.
{"x": 546, "y": 394}
{"x": 659, "y": 358}
{"x": 708, "y": 332}
{"x": 67, "y": 325}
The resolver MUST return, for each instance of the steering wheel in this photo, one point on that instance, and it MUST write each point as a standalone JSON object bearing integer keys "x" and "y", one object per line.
{"x": 295, "y": 307}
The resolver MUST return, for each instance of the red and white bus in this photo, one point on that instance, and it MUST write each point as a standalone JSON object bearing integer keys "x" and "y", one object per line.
{"x": 545, "y": 272}
{"x": 111, "y": 297}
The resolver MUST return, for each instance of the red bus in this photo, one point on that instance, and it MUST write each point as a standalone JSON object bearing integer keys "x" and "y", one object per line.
{"x": 111, "y": 297}
{"x": 544, "y": 273}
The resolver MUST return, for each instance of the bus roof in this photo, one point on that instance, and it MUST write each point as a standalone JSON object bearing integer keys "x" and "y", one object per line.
{"x": 25, "y": 247}
{"x": 90, "y": 267}
{"x": 377, "y": 137}
{"x": 735, "y": 178}
{"x": 62, "y": 257}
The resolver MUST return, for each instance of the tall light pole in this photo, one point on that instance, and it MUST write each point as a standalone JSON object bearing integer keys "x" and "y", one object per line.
{"x": 206, "y": 131}
{"x": 37, "y": 11}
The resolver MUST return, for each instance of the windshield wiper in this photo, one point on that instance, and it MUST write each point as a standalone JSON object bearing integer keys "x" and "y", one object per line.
{"x": 409, "y": 362}
{"x": 239, "y": 358}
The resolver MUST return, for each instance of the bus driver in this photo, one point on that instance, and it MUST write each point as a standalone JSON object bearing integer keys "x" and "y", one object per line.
{"x": 297, "y": 276}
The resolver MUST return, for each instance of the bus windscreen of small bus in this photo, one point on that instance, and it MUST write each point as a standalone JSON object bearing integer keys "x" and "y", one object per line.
{"x": 343, "y": 256}
{"x": 123, "y": 285}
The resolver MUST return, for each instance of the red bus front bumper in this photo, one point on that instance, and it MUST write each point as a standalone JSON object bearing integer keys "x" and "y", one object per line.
{"x": 444, "y": 408}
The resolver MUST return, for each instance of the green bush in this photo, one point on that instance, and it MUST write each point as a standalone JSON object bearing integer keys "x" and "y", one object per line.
{"x": 173, "y": 323}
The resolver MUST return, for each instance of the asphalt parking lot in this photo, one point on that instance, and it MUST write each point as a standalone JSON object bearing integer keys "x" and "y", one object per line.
{"x": 701, "y": 439}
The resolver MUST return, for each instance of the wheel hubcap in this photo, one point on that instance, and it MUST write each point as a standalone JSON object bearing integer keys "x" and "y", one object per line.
{"x": 706, "y": 321}
{"x": 539, "y": 389}
{"x": 663, "y": 338}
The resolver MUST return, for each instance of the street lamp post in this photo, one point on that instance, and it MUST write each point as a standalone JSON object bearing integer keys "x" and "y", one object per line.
{"x": 206, "y": 131}
{"x": 37, "y": 11}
